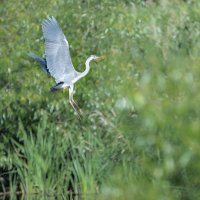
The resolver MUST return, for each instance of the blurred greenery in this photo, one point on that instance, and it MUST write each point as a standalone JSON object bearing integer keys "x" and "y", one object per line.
{"x": 139, "y": 136}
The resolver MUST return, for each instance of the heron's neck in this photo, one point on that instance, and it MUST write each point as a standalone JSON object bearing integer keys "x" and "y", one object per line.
{"x": 87, "y": 69}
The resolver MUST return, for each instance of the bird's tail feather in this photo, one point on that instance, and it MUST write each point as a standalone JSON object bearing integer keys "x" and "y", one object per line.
{"x": 42, "y": 61}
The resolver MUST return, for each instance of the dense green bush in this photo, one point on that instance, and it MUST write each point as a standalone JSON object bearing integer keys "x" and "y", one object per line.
{"x": 140, "y": 131}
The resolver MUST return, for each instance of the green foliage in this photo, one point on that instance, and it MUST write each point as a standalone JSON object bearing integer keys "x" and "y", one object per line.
{"x": 40, "y": 159}
{"x": 140, "y": 131}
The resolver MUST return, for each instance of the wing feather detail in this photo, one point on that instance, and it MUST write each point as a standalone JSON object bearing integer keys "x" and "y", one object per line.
{"x": 56, "y": 50}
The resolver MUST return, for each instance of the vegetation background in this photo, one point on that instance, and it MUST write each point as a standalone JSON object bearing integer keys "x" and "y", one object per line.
{"x": 139, "y": 137}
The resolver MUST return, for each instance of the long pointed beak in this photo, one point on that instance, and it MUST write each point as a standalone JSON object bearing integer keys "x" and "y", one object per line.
{"x": 100, "y": 58}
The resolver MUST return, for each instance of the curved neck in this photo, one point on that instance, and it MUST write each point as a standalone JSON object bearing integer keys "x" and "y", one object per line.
{"x": 87, "y": 69}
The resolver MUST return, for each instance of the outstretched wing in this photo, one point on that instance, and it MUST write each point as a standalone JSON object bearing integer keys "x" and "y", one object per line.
{"x": 56, "y": 50}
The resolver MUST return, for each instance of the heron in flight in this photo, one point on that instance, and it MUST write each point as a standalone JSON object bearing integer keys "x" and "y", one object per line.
{"x": 57, "y": 61}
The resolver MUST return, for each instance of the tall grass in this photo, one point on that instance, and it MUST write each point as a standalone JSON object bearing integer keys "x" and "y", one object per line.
{"x": 50, "y": 162}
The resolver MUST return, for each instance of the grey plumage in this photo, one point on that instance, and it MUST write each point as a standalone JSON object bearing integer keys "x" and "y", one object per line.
{"x": 57, "y": 51}
{"x": 57, "y": 61}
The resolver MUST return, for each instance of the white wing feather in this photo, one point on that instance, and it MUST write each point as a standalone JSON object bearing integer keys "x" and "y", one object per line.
{"x": 57, "y": 51}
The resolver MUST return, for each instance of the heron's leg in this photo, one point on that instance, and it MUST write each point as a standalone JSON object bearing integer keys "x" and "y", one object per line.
{"x": 71, "y": 101}
{"x": 76, "y": 105}
{"x": 72, "y": 98}
{"x": 74, "y": 102}
{"x": 79, "y": 109}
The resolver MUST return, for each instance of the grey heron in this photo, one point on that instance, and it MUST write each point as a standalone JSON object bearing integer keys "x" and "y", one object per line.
{"x": 57, "y": 61}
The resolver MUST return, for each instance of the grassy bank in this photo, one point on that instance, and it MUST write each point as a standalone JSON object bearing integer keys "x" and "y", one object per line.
{"x": 139, "y": 136}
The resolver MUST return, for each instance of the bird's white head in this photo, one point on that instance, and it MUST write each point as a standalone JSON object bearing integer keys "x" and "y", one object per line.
{"x": 87, "y": 64}
{"x": 94, "y": 57}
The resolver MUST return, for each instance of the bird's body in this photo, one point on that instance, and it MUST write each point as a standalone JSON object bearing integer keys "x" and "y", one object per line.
{"x": 57, "y": 61}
